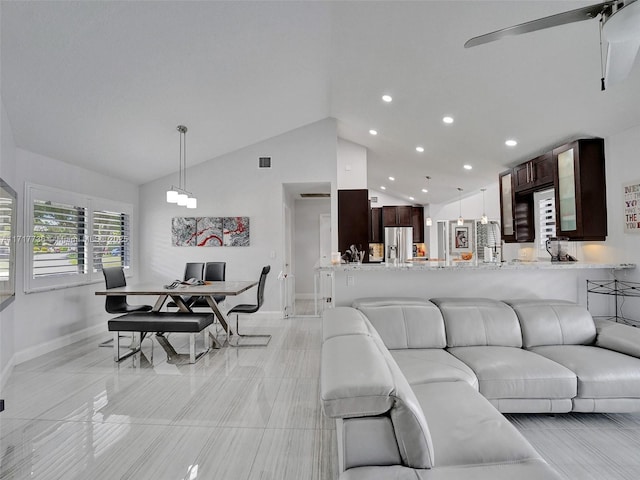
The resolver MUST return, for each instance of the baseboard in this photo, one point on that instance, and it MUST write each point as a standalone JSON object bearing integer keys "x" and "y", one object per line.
{"x": 6, "y": 372}
{"x": 47, "y": 347}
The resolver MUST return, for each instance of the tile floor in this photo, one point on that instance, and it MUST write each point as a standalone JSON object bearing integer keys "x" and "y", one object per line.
{"x": 239, "y": 413}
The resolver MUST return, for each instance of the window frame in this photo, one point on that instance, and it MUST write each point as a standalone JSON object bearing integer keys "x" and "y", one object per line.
{"x": 91, "y": 204}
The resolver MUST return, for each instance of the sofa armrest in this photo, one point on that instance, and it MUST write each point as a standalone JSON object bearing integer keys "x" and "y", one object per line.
{"x": 618, "y": 337}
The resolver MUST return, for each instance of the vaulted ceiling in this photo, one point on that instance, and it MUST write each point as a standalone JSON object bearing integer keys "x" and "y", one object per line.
{"x": 104, "y": 84}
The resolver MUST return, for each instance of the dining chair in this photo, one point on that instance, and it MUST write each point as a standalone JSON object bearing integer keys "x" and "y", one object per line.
{"x": 252, "y": 308}
{"x": 113, "y": 278}
{"x": 191, "y": 270}
{"x": 213, "y": 272}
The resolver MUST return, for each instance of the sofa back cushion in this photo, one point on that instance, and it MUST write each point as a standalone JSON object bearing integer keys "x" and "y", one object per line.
{"x": 553, "y": 322}
{"x": 405, "y": 322}
{"x": 479, "y": 321}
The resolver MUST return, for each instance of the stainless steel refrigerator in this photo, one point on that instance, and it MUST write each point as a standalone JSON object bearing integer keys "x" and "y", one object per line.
{"x": 398, "y": 245}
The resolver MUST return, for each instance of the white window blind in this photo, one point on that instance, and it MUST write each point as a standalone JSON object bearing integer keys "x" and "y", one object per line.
{"x": 110, "y": 240}
{"x": 58, "y": 239}
{"x": 545, "y": 214}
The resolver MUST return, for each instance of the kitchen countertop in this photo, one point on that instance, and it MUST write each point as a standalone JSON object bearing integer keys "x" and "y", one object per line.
{"x": 471, "y": 265}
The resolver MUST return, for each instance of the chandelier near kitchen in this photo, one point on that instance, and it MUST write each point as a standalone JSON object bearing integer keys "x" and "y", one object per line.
{"x": 179, "y": 194}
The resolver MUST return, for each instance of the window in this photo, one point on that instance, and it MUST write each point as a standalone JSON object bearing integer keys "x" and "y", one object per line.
{"x": 110, "y": 240}
{"x": 545, "y": 219}
{"x": 72, "y": 237}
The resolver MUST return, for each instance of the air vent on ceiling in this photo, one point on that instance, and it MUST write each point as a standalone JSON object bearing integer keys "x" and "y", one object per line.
{"x": 315, "y": 195}
{"x": 374, "y": 199}
{"x": 264, "y": 162}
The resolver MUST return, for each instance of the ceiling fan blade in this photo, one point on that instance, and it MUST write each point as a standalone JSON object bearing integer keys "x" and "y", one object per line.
{"x": 621, "y": 57}
{"x": 577, "y": 15}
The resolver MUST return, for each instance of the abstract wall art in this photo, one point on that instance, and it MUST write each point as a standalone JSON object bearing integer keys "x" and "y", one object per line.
{"x": 210, "y": 231}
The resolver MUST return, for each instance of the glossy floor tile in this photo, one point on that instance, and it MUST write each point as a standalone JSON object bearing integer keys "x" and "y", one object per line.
{"x": 237, "y": 414}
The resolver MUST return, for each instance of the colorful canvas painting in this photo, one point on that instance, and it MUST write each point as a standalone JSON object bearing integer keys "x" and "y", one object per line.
{"x": 183, "y": 231}
{"x": 210, "y": 231}
{"x": 235, "y": 231}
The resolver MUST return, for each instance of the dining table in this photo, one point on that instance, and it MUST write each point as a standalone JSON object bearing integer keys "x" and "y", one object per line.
{"x": 208, "y": 291}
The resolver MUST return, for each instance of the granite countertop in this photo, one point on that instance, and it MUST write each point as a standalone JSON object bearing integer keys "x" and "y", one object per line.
{"x": 471, "y": 265}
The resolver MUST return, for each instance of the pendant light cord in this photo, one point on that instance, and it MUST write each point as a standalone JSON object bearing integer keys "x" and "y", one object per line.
{"x": 602, "y": 66}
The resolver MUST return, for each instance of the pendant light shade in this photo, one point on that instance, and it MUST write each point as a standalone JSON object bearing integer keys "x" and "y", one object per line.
{"x": 179, "y": 195}
{"x": 484, "y": 219}
{"x": 460, "y": 219}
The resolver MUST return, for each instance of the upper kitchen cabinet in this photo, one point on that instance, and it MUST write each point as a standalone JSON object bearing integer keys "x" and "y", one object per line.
{"x": 507, "y": 210}
{"x": 580, "y": 189}
{"x": 377, "y": 232}
{"x": 417, "y": 222}
{"x": 353, "y": 220}
{"x": 397, "y": 216}
{"x": 535, "y": 174}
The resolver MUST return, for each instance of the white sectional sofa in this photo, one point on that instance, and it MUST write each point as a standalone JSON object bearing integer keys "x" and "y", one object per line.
{"x": 417, "y": 386}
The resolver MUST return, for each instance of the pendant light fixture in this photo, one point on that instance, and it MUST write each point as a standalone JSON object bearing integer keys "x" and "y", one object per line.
{"x": 179, "y": 195}
{"x": 460, "y": 219}
{"x": 483, "y": 220}
{"x": 428, "y": 222}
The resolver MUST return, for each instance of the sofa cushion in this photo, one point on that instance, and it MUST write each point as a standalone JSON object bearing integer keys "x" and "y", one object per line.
{"x": 506, "y": 372}
{"x": 479, "y": 321}
{"x": 618, "y": 337}
{"x": 343, "y": 321}
{"x": 424, "y": 365}
{"x": 405, "y": 323}
{"x": 466, "y": 429}
{"x": 553, "y": 322}
{"x": 601, "y": 373}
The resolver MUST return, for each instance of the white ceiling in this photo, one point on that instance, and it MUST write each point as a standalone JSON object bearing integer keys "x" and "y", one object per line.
{"x": 104, "y": 84}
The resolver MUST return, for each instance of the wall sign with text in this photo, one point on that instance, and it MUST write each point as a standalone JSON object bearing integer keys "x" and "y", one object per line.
{"x": 631, "y": 192}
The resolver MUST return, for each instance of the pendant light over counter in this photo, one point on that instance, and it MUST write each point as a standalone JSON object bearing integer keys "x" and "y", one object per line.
{"x": 428, "y": 222}
{"x": 484, "y": 219}
{"x": 460, "y": 219}
{"x": 179, "y": 195}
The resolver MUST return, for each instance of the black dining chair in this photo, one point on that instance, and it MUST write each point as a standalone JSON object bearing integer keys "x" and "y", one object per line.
{"x": 213, "y": 272}
{"x": 191, "y": 270}
{"x": 252, "y": 308}
{"x": 113, "y": 278}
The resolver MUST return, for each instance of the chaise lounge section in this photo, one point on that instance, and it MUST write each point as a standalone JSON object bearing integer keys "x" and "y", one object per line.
{"x": 417, "y": 386}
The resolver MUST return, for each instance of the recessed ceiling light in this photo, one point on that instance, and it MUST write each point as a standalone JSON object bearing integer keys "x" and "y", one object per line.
{"x": 424, "y": 190}
{"x": 411, "y": 198}
{"x": 468, "y": 167}
{"x": 382, "y": 187}
{"x": 386, "y": 98}
{"x": 373, "y": 132}
{"x": 447, "y": 119}
{"x": 419, "y": 149}
{"x": 510, "y": 143}
{"x": 392, "y": 178}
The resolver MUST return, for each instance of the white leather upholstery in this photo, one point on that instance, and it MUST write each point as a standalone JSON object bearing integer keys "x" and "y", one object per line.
{"x": 533, "y": 405}
{"x": 618, "y": 337}
{"x": 553, "y": 322}
{"x": 359, "y": 434}
{"x": 601, "y": 373}
{"x": 535, "y": 469}
{"x": 479, "y": 321}
{"x": 467, "y": 429}
{"x": 507, "y": 372}
{"x": 424, "y": 365}
{"x": 405, "y": 323}
{"x": 347, "y": 321}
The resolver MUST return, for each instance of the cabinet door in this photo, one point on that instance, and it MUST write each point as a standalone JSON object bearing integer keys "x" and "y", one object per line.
{"x": 522, "y": 177}
{"x": 353, "y": 220}
{"x": 506, "y": 206}
{"x": 567, "y": 207}
{"x": 376, "y": 226}
{"x": 417, "y": 222}
{"x": 389, "y": 217}
{"x": 403, "y": 214}
{"x": 542, "y": 170}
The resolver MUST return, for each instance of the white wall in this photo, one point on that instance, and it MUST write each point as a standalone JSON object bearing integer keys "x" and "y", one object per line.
{"x": 232, "y": 185}
{"x": 385, "y": 199}
{"x": 7, "y": 316}
{"x": 307, "y": 241}
{"x": 351, "y": 166}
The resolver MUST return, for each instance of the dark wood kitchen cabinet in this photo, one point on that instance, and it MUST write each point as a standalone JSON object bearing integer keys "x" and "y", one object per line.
{"x": 397, "y": 216}
{"x": 534, "y": 174}
{"x": 516, "y": 211}
{"x": 377, "y": 232}
{"x": 417, "y": 222}
{"x": 353, "y": 220}
{"x": 580, "y": 189}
